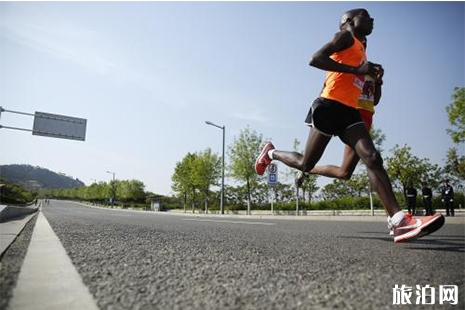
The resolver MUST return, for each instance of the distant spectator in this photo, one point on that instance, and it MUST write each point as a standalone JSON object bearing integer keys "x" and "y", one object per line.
{"x": 447, "y": 193}
{"x": 427, "y": 198}
{"x": 411, "y": 194}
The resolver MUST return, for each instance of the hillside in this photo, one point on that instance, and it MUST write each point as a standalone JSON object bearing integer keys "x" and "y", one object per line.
{"x": 37, "y": 178}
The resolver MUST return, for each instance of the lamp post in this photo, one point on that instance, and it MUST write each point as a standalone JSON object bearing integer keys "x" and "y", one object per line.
{"x": 222, "y": 170}
{"x": 113, "y": 190}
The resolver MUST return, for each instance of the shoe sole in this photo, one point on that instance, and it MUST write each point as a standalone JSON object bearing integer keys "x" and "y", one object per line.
{"x": 265, "y": 149}
{"x": 425, "y": 229}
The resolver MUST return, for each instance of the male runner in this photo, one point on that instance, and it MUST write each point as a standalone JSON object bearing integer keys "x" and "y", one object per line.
{"x": 369, "y": 98}
{"x": 334, "y": 113}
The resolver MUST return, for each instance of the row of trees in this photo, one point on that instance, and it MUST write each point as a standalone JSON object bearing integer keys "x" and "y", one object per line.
{"x": 197, "y": 173}
{"x": 126, "y": 192}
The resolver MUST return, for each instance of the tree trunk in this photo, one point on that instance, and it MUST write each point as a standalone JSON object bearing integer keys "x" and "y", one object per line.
{"x": 193, "y": 202}
{"x": 248, "y": 196}
{"x": 185, "y": 201}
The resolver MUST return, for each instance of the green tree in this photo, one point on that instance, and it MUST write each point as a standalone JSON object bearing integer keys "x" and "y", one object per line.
{"x": 183, "y": 179}
{"x": 14, "y": 194}
{"x": 456, "y": 114}
{"x": 378, "y": 138}
{"x": 282, "y": 192}
{"x": 243, "y": 153}
{"x": 335, "y": 190}
{"x": 131, "y": 191}
{"x": 309, "y": 187}
{"x": 355, "y": 187}
{"x": 99, "y": 191}
{"x": 206, "y": 172}
{"x": 358, "y": 184}
{"x": 455, "y": 164}
{"x": 404, "y": 167}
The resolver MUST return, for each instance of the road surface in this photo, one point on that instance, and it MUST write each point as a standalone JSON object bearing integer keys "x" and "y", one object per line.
{"x": 141, "y": 260}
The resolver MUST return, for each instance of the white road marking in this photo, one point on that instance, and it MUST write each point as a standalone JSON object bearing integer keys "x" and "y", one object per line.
{"x": 48, "y": 280}
{"x": 231, "y": 222}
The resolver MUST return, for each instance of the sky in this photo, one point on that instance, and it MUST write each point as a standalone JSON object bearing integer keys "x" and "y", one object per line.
{"x": 147, "y": 75}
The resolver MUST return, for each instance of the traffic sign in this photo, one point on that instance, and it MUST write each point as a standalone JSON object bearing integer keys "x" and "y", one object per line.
{"x": 59, "y": 126}
{"x": 272, "y": 174}
{"x": 53, "y": 125}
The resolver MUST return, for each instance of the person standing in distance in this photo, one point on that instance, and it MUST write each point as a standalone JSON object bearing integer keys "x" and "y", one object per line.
{"x": 427, "y": 198}
{"x": 411, "y": 194}
{"x": 447, "y": 192}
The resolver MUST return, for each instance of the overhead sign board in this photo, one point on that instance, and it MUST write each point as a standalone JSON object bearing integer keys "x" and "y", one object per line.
{"x": 59, "y": 126}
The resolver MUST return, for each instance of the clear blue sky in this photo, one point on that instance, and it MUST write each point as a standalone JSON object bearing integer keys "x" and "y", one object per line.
{"x": 147, "y": 75}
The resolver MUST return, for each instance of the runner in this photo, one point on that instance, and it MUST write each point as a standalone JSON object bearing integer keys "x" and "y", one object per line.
{"x": 334, "y": 113}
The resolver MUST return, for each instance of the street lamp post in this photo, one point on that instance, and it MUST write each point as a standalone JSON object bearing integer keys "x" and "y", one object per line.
{"x": 113, "y": 190}
{"x": 222, "y": 170}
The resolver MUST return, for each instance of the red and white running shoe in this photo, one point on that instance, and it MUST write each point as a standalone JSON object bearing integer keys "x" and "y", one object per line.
{"x": 415, "y": 227}
{"x": 263, "y": 160}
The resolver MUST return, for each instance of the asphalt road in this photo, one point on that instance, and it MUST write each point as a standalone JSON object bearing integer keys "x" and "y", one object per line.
{"x": 135, "y": 260}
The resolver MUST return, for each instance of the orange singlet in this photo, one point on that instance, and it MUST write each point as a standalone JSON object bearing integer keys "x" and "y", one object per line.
{"x": 345, "y": 87}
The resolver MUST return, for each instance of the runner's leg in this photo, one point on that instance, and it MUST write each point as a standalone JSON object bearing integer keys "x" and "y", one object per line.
{"x": 314, "y": 149}
{"x": 359, "y": 139}
{"x": 345, "y": 171}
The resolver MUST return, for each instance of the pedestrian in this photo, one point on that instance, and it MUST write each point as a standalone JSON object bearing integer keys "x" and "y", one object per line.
{"x": 411, "y": 194}
{"x": 334, "y": 113}
{"x": 427, "y": 194}
{"x": 447, "y": 193}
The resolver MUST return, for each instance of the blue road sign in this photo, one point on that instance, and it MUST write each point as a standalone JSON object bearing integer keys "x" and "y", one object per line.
{"x": 272, "y": 174}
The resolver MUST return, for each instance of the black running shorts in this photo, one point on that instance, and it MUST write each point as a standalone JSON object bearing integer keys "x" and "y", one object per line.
{"x": 332, "y": 117}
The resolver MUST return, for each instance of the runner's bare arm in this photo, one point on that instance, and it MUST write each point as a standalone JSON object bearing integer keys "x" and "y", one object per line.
{"x": 341, "y": 41}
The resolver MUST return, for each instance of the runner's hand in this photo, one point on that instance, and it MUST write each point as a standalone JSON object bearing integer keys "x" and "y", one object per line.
{"x": 367, "y": 68}
{"x": 379, "y": 74}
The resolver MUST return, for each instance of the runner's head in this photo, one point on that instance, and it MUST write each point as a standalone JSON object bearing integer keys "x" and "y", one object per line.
{"x": 357, "y": 20}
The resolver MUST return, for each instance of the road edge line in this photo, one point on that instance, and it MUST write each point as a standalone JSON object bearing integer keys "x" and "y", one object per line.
{"x": 48, "y": 278}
